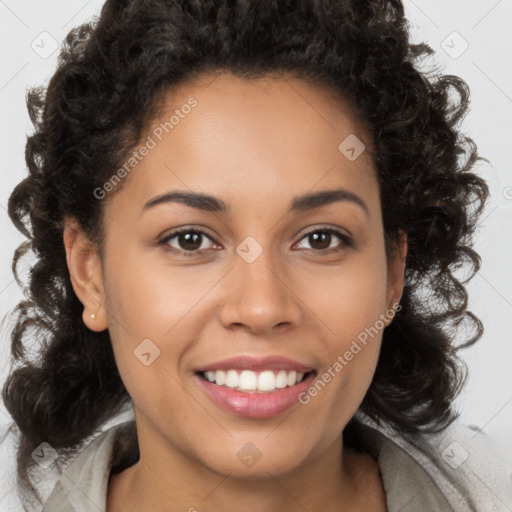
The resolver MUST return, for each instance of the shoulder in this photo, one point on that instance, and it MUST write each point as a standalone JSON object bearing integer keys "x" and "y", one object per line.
{"x": 9, "y": 499}
{"x": 106, "y": 448}
{"x": 469, "y": 458}
{"x": 88, "y": 474}
{"x": 456, "y": 469}
{"x": 44, "y": 474}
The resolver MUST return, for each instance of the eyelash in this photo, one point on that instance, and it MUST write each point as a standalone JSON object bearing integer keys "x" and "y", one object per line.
{"x": 347, "y": 242}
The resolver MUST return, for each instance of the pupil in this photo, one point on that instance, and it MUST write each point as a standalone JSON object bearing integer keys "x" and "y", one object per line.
{"x": 190, "y": 241}
{"x": 314, "y": 237}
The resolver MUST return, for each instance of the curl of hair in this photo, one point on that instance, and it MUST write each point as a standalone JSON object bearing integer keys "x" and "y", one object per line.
{"x": 112, "y": 77}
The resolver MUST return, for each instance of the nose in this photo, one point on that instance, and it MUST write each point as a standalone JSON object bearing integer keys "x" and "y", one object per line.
{"x": 258, "y": 295}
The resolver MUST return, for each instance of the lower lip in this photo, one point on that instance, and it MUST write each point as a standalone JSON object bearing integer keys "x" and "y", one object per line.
{"x": 256, "y": 405}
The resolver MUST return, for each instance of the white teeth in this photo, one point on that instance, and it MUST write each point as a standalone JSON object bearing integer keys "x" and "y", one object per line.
{"x": 231, "y": 379}
{"x": 266, "y": 381}
{"x": 220, "y": 378}
{"x": 247, "y": 380}
{"x": 292, "y": 378}
{"x": 281, "y": 380}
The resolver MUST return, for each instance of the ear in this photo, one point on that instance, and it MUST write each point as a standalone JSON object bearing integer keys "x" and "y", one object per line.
{"x": 86, "y": 274}
{"x": 396, "y": 272}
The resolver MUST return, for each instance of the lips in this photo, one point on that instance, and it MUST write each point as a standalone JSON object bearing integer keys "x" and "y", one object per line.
{"x": 256, "y": 404}
{"x": 257, "y": 364}
{"x": 255, "y": 387}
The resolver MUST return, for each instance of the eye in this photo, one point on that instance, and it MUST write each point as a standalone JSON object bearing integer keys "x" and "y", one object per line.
{"x": 321, "y": 239}
{"x": 189, "y": 241}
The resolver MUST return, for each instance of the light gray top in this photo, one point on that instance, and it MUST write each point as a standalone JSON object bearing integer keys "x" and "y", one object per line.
{"x": 450, "y": 471}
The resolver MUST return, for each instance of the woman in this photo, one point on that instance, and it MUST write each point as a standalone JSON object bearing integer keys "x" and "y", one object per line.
{"x": 247, "y": 218}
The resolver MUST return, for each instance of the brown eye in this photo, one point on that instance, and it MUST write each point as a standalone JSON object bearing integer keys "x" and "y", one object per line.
{"x": 188, "y": 242}
{"x": 321, "y": 240}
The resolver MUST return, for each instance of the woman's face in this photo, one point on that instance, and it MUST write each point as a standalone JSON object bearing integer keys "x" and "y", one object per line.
{"x": 253, "y": 284}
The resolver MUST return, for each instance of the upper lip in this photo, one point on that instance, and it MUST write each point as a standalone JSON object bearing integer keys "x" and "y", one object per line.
{"x": 257, "y": 364}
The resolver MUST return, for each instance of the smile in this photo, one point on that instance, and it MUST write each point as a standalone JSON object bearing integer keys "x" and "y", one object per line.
{"x": 255, "y": 387}
{"x": 252, "y": 381}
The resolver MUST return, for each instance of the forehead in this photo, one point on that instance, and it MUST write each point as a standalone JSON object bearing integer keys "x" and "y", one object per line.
{"x": 253, "y": 138}
{"x": 270, "y": 97}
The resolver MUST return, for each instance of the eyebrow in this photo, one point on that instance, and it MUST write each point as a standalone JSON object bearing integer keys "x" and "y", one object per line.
{"x": 213, "y": 204}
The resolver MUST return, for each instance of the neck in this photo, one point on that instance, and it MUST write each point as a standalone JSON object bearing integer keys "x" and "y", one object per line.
{"x": 167, "y": 480}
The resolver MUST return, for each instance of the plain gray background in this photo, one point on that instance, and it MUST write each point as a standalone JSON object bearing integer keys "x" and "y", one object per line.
{"x": 31, "y": 30}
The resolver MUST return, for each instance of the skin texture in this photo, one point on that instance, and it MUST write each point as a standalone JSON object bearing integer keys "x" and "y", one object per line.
{"x": 255, "y": 144}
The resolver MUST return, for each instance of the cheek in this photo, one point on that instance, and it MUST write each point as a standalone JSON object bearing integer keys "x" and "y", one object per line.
{"x": 147, "y": 319}
{"x": 148, "y": 298}
{"x": 350, "y": 298}
{"x": 153, "y": 309}
{"x": 351, "y": 304}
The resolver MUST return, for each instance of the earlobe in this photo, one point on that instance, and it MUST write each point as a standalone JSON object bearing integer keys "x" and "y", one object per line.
{"x": 397, "y": 272}
{"x": 85, "y": 272}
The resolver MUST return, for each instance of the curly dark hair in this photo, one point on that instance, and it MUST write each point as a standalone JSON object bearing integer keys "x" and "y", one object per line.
{"x": 112, "y": 77}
